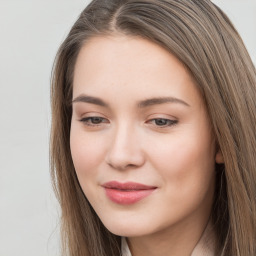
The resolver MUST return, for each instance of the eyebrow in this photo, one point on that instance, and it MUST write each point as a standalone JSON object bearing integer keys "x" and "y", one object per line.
{"x": 141, "y": 104}
{"x": 161, "y": 100}
{"x": 90, "y": 99}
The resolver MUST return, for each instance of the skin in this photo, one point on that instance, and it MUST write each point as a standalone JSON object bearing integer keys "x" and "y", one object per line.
{"x": 168, "y": 145}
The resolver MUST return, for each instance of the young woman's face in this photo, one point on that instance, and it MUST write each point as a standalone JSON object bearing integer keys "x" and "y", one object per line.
{"x": 140, "y": 140}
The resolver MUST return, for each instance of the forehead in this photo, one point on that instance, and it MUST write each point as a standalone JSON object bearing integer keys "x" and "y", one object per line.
{"x": 124, "y": 51}
{"x": 131, "y": 66}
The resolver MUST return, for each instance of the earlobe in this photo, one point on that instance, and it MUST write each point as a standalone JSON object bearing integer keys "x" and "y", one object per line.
{"x": 219, "y": 157}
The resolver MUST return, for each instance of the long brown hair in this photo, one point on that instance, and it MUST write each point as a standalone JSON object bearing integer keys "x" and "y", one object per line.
{"x": 200, "y": 35}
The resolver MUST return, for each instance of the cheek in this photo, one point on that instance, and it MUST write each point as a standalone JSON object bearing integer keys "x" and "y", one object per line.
{"x": 186, "y": 168}
{"x": 85, "y": 151}
{"x": 186, "y": 163}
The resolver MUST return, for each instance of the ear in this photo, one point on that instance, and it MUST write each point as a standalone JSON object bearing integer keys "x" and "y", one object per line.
{"x": 219, "y": 157}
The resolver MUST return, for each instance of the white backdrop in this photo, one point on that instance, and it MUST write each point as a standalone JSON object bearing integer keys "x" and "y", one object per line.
{"x": 30, "y": 33}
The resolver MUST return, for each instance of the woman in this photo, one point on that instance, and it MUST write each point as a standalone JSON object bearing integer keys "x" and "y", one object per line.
{"x": 153, "y": 132}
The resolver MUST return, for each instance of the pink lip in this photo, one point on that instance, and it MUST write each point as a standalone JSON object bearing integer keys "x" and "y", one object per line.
{"x": 127, "y": 193}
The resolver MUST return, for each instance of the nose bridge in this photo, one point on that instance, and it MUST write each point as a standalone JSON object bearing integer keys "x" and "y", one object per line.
{"x": 125, "y": 149}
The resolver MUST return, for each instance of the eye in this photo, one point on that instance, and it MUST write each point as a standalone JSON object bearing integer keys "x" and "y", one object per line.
{"x": 94, "y": 120}
{"x": 162, "y": 122}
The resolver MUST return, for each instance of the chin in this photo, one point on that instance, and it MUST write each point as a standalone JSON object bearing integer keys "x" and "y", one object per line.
{"x": 127, "y": 228}
{"x": 128, "y": 231}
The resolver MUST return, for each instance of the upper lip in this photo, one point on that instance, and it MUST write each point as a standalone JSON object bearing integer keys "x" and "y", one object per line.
{"x": 127, "y": 186}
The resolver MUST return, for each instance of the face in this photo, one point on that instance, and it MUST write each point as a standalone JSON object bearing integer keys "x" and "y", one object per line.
{"x": 140, "y": 140}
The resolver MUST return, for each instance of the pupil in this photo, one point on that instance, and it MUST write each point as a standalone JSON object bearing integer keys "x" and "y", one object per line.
{"x": 96, "y": 120}
{"x": 161, "y": 121}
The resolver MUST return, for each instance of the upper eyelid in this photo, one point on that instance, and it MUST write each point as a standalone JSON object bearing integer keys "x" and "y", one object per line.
{"x": 91, "y": 114}
{"x": 171, "y": 118}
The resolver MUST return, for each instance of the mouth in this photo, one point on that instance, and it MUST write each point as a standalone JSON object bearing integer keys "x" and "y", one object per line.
{"x": 127, "y": 193}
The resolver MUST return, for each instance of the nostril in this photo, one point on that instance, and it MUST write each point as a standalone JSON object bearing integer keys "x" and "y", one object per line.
{"x": 122, "y": 167}
{"x": 125, "y": 161}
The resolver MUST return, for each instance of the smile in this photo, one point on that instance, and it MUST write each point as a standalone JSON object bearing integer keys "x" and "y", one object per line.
{"x": 127, "y": 193}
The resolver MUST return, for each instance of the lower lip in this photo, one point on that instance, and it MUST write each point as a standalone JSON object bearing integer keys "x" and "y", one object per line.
{"x": 127, "y": 197}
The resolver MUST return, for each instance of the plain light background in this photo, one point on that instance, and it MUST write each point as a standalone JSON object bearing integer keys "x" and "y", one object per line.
{"x": 30, "y": 34}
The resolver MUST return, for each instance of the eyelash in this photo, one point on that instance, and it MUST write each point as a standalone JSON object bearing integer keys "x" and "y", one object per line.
{"x": 97, "y": 120}
{"x": 168, "y": 122}
{"x": 89, "y": 120}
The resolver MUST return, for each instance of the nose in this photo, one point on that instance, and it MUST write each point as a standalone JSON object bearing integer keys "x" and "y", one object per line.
{"x": 125, "y": 150}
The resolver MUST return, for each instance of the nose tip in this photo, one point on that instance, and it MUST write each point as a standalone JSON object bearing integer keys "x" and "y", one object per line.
{"x": 124, "y": 153}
